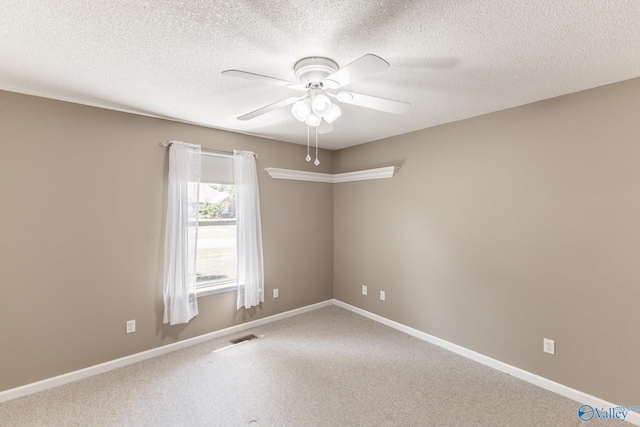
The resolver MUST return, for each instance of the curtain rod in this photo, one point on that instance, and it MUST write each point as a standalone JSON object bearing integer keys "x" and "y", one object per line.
{"x": 210, "y": 151}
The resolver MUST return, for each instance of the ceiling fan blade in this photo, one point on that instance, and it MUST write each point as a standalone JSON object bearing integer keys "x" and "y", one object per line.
{"x": 258, "y": 77}
{"x": 358, "y": 69}
{"x": 325, "y": 127}
{"x": 373, "y": 102}
{"x": 268, "y": 108}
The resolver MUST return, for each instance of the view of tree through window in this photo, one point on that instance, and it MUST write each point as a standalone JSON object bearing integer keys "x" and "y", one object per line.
{"x": 217, "y": 257}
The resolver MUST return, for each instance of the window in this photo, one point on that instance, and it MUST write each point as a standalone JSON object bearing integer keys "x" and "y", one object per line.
{"x": 216, "y": 263}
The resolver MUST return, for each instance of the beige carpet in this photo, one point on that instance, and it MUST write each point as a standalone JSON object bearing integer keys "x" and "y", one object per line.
{"x": 329, "y": 367}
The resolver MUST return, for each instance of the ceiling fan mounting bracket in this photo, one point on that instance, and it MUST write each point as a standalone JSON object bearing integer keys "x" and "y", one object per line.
{"x": 312, "y": 70}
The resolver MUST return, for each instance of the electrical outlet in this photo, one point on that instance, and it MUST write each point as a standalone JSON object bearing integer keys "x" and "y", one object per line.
{"x": 364, "y": 289}
{"x": 382, "y": 295}
{"x": 131, "y": 326}
{"x": 549, "y": 346}
{"x": 275, "y": 293}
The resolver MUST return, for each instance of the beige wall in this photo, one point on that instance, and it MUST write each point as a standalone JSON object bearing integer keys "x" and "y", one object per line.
{"x": 496, "y": 232}
{"x": 82, "y": 193}
{"x": 503, "y": 229}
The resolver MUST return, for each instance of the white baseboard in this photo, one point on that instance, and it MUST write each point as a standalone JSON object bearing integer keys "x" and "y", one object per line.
{"x": 562, "y": 390}
{"x": 59, "y": 380}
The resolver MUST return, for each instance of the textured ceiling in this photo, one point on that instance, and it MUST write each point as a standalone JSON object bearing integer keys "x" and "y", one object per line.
{"x": 449, "y": 59}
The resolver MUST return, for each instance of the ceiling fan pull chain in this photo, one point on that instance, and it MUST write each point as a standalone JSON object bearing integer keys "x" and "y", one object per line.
{"x": 308, "y": 156}
{"x": 317, "y": 162}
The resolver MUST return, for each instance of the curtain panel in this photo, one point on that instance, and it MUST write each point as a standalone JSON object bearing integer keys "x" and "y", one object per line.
{"x": 249, "y": 230}
{"x": 181, "y": 233}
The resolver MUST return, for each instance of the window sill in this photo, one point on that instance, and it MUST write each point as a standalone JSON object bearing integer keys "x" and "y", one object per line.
{"x": 216, "y": 288}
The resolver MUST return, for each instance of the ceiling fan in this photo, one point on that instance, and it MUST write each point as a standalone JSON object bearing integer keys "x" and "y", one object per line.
{"x": 321, "y": 79}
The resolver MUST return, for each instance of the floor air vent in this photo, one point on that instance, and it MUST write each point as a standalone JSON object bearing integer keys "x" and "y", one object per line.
{"x": 243, "y": 339}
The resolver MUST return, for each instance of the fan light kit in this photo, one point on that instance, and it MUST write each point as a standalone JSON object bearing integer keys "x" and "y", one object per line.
{"x": 319, "y": 77}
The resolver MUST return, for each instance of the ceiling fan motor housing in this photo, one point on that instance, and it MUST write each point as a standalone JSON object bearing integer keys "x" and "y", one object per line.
{"x": 314, "y": 69}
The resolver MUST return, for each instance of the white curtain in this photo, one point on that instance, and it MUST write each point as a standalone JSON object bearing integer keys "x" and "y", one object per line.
{"x": 181, "y": 233}
{"x": 250, "y": 268}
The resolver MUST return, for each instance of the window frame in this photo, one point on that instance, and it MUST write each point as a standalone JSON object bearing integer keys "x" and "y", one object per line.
{"x": 213, "y": 287}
